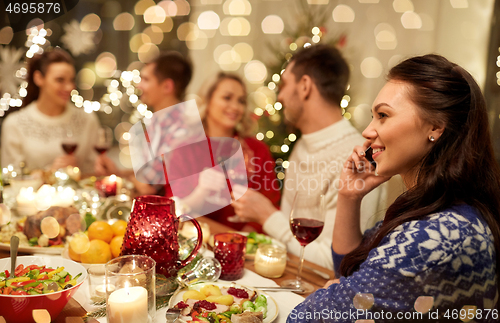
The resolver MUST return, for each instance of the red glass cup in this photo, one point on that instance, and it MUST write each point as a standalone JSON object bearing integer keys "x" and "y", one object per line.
{"x": 229, "y": 250}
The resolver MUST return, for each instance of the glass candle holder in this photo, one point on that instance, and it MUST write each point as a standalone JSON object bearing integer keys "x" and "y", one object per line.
{"x": 132, "y": 298}
{"x": 229, "y": 250}
{"x": 270, "y": 261}
{"x": 97, "y": 281}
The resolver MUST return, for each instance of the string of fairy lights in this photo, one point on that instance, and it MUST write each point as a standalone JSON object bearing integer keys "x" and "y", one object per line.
{"x": 230, "y": 19}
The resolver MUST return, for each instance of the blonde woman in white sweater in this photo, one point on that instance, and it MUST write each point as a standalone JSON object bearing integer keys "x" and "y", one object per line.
{"x": 311, "y": 89}
{"x": 34, "y": 134}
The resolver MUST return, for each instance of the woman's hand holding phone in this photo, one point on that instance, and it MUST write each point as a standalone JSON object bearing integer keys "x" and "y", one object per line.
{"x": 358, "y": 176}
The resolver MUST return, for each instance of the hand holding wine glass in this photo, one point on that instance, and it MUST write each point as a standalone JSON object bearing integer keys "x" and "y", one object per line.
{"x": 307, "y": 219}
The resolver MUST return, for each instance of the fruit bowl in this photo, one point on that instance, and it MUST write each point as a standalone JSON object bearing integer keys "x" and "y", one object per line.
{"x": 23, "y": 308}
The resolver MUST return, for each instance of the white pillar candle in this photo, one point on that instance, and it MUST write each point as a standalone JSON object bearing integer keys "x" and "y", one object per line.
{"x": 270, "y": 261}
{"x": 128, "y": 305}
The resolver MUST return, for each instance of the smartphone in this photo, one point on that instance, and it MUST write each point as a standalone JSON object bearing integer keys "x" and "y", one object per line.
{"x": 368, "y": 156}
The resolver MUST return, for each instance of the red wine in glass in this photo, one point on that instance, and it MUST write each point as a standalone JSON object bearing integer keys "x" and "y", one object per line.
{"x": 69, "y": 148}
{"x": 307, "y": 218}
{"x": 101, "y": 149}
{"x": 306, "y": 230}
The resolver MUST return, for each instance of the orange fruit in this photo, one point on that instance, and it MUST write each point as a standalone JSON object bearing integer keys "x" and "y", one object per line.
{"x": 116, "y": 246}
{"x": 100, "y": 230}
{"x": 73, "y": 255}
{"x": 98, "y": 253}
{"x": 119, "y": 227}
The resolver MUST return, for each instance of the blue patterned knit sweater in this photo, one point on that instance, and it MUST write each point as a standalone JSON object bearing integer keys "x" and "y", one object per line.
{"x": 444, "y": 266}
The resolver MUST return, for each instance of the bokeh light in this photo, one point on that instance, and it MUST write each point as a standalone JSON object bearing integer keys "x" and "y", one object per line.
{"x": 411, "y": 20}
{"x": 238, "y": 26}
{"x": 196, "y": 40}
{"x": 402, "y": 5}
{"x": 124, "y": 21}
{"x": 169, "y": 6}
{"x": 154, "y": 33}
{"x": 154, "y": 15}
{"x": 137, "y": 41}
{"x": 237, "y": 8}
{"x": 187, "y": 29}
{"x": 371, "y": 67}
{"x": 343, "y": 13}
{"x": 105, "y": 65}
{"x": 183, "y": 7}
{"x": 90, "y": 22}
{"x": 369, "y": 1}
{"x": 167, "y": 25}
{"x": 85, "y": 79}
{"x": 208, "y": 20}
{"x": 255, "y": 72}
{"x": 245, "y": 52}
{"x": 148, "y": 52}
{"x": 385, "y": 36}
{"x": 272, "y": 24}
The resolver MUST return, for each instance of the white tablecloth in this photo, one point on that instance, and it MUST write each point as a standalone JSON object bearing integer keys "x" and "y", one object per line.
{"x": 286, "y": 300}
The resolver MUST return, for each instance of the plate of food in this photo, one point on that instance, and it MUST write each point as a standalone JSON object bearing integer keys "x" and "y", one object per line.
{"x": 224, "y": 302}
{"x": 56, "y": 222}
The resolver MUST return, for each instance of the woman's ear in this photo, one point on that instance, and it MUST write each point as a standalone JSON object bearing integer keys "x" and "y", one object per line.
{"x": 38, "y": 78}
{"x": 305, "y": 87}
{"x": 437, "y": 131}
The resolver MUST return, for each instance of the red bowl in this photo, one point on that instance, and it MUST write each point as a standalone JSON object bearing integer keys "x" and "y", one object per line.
{"x": 19, "y": 308}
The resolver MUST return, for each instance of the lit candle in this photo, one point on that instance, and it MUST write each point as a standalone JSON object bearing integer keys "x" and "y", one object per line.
{"x": 270, "y": 261}
{"x": 128, "y": 305}
{"x": 26, "y": 201}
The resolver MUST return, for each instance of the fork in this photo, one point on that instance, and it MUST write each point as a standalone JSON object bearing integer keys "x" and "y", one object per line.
{"x": 172, "y": 315}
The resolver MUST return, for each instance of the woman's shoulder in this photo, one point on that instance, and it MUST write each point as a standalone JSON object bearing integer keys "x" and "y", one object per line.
{"x": 439, "y": 239}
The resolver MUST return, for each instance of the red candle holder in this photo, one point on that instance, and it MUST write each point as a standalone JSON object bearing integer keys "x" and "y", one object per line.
{"x": 229, "y": 250}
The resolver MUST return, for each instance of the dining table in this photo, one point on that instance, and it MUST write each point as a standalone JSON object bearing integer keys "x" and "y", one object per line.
{"x": 312, "y": 273}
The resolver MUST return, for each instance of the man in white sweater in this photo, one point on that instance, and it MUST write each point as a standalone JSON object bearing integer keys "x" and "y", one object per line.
{"x": 311, "y": 89}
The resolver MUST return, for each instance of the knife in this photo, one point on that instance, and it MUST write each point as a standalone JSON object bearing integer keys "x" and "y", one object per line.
{"x": 280, "y": 289}
{"x": 317, "y": 272}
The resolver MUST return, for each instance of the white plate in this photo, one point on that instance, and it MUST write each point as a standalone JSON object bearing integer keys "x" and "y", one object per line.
{"x": 42, "y": 250}
{"x": 272, "y": 306}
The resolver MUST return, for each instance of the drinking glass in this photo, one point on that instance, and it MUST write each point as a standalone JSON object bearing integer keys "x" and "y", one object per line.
{"x": 69, "y": 144}
{"x": 307, "y": 219}
{"x": 104, "y": 140}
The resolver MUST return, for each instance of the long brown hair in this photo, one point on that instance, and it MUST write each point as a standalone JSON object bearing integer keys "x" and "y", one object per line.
{"x": 41, "y": 62}
{"x": 459, "y": 168}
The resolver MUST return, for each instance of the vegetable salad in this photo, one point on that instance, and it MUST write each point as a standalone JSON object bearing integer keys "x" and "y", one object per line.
{"x": 36, "y": 280}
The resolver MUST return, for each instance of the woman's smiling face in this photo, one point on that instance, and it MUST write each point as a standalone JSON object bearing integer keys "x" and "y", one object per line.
{"x": 399, "y": 135}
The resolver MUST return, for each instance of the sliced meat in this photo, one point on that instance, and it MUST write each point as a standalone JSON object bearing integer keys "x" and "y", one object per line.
{"x": 247, "y": 317}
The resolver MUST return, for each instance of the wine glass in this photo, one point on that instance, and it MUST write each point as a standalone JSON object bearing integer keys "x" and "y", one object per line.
{"x": 104, "y": 140}
{"x": 69, "y": 144}
{"x": 307, "y": 219}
